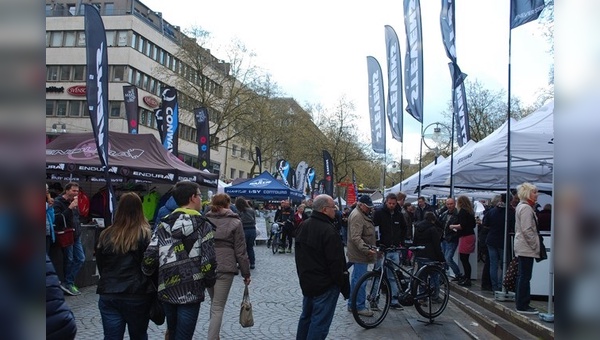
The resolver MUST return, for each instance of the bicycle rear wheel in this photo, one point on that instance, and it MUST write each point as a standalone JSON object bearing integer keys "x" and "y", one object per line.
{"x": 275, "y": 243}
{"x": 432, "y": 292}
{"x": 378, "y": 300}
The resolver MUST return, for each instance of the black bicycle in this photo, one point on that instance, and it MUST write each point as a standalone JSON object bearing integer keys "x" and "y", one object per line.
{"x": 426, "y": 287}
{"x": 276, "y": 232}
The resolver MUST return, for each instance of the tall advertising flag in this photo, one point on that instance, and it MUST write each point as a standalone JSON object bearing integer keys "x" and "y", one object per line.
{"x": 310, "y": 178}
{"x": 283, "y": 168}
{"x": 413, "y": 61}
{"x": 159, "y": 114}
{"x": 301, "y": 176}
{"x": 394, "y": 69}
{"x": 130, "y": 94}
{"x": 459, "y": 101}
{"x": 447, "y": 25}
{"x": 328, "y": 173}
{"x": 376, "y": 105}
{"x": 524, "y": 11}
{"x": 202, "y": 122}
{"x": 97, "y": 90}
{"x": 292, "y": 178}
{"x": 170, "y": 109}
{"x": 259, "y": 159}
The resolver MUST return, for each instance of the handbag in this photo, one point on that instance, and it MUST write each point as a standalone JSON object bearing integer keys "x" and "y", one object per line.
{"x": 510, "y": 279}
{"x": 246, "y": 316}
{"x": 66, "y": 236}
{"x": 156, "y": 312}
{"x": 543, "y": 253}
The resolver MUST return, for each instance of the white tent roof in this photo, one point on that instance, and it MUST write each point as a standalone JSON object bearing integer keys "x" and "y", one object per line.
{"x": 409, "y": 185}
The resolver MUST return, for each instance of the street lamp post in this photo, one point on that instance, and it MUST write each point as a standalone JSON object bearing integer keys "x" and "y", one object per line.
{"x": 436, "y": 140}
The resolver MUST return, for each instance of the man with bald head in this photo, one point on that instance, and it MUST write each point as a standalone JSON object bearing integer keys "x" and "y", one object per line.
{"x": 450, "y": 237}
{"x": 321, "y": 268}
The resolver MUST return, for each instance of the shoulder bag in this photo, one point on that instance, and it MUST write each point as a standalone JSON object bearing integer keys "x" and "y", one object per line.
{"x": 64, "y": 237}
{"x": 246, "y": 316}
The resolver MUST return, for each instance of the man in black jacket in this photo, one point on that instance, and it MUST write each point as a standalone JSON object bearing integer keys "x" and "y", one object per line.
{"x": 321, "y": 268}
{"x": 392, "y": 231}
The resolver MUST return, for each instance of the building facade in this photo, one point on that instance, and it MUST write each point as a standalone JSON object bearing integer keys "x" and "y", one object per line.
{"x": 142, "y": 48}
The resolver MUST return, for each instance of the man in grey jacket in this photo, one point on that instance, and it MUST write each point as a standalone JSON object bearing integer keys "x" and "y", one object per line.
{"x": 361, "y": 232}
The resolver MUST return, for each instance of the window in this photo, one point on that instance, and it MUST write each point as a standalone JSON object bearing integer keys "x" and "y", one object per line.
{"x": 118, "y": 72}
{"x": 241, "y": 174}
{"x": 242, "y": 154}
{"x": 138, "y": 79}
{"x": 234, "y": 150}
{"x": 65, "y": 73}
{"x": 81, "y": 38}
{"x": 72, "y": 8}
{"x": 149, "y": 48}
{"x": 122, "y": 38}
{"x": 48, "y": 10}
{"x": 52, "y": 73}
{"x": 134, "y": 40}
{"x": 79, "y": 72}
{"x": 61, "y": 108}
{"x": 48, "y": 38}
{"x": 70, "y": 39}
{"x": 145, "y": 82}
{"x": 232, "y": 173}
{"x": 50, "y": 107}
{"x": 56, "y": 39}
{"x": 75, "y": 108}
{"x": 115, "y": 109}
{"x": 109, "y": 8}
{"x": 110, "y": 38}
{"x": 152, "y": 86}
{"x": 140, "y": 45}
{"x": 214, "y": 142}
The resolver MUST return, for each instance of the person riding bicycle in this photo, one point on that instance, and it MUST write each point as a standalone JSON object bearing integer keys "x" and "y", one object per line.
{"x": 392, "y": 230}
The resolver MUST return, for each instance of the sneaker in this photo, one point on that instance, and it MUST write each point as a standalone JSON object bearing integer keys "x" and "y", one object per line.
{"x": 365, "y": 312}
{"x": 396, "y": 306}
{"x": 65, "y": 289}
{"x": 289, "y": 251}
{"x": 72, "y": 290}
{"x": 528, "y": 310}
{"x": 281, "y": 251}
{"x": 465, "y": 283}
{"x": 457, "y": 278}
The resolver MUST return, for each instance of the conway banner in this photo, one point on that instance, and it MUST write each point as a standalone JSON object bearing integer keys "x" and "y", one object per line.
{"x": 97, "y": 92}
{"x": 170, "y": 111}
{"x": 394, "y": 70}
{"x": 376, "y": 105}
{"x": 413, "y": 60}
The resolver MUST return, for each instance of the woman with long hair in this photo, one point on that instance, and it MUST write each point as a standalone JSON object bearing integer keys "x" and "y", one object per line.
{"x": 466, "y": 232}
{"x": 125, "y": 292}
{"x": 230, "y": 248}
{"x": 248, "y": 218}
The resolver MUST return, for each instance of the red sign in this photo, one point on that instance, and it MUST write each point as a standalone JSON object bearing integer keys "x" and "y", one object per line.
{"x": 151, "y": 101}
{"x": 77, "y": 90}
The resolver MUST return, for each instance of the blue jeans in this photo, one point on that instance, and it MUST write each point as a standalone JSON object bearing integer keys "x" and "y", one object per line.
{"x": 495, "y": 258}
{"x": 117, "y": 312}
{"x": 395, "y": 257}
{"x": 73, "y": 260}
{"x": 317, "y": 314}
{"x": 449, "y": 249}
{"x": 181, "y": 320}
{"x": 522, "y": 296}
{"x": 359, "y": 270}
{"x": 250, "y": 235}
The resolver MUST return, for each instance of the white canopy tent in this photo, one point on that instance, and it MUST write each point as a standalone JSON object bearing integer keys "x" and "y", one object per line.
{"x": 410, "y": 184}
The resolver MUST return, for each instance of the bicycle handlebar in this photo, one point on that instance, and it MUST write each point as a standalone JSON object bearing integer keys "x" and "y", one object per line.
{"x": 392, "y": 248}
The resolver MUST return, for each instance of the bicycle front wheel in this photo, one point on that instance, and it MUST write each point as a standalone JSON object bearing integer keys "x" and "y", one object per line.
{"x": 378, "y": 299}
{"x": 431, "y": 291}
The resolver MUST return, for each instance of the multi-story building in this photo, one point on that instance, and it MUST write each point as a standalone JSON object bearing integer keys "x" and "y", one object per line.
{"x": 141, "y": 47}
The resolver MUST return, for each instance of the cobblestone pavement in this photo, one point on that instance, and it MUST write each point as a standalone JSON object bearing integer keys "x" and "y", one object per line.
{"x": 277, "y": 302}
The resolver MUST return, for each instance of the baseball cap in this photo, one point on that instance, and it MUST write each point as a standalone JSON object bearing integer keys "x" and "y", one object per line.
{"x": 366, "y": 200}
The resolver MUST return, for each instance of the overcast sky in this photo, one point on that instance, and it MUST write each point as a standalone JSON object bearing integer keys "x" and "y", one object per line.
{"x": 316, "y": 50}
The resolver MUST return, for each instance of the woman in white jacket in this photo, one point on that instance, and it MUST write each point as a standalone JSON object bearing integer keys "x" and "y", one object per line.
{"x": 527, "y": 244}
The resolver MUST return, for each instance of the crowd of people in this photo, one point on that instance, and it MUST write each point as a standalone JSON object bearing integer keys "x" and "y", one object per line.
{"x": 187, "y": 253}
